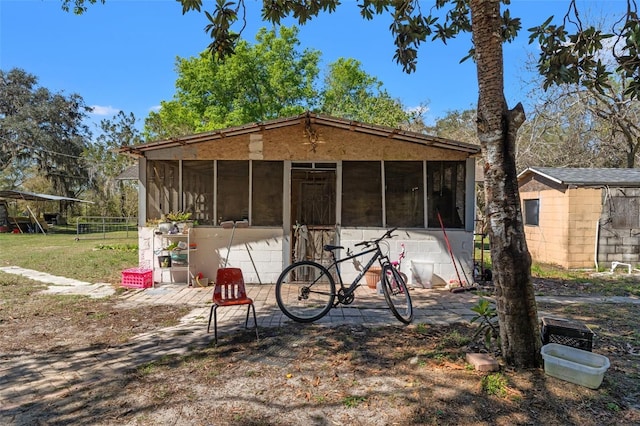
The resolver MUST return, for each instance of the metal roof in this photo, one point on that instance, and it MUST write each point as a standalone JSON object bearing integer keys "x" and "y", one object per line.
{"x": 30, "y": 196}
{"x": 130, "y": 173}
{"x": 312, "y": 118}
{"x": 587, "y": 176}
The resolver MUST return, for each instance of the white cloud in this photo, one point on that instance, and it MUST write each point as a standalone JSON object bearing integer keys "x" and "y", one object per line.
{"x": 155, "y": 108}
{"x": 104, "y": 110}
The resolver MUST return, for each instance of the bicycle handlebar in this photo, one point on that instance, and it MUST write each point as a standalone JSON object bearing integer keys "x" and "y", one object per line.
{"x": 386, "y": 235}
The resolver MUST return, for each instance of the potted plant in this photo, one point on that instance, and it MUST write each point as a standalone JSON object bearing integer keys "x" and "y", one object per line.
{"x": 178, "y": 216}
{"x": 181, "y": 220}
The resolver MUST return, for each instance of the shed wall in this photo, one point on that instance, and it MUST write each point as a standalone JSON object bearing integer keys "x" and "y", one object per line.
{"x": 566, "y": 233}
{"x": 548, "y": 242}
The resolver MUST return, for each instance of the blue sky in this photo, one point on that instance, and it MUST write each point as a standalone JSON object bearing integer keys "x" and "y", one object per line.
{"x": 121, "y": 55}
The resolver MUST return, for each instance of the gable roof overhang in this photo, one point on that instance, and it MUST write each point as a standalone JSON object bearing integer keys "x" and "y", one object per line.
{"x": 585, "y": 177}
{"x": 309, "y": 118}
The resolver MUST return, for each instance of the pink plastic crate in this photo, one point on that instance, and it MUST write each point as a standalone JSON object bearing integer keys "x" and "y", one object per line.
{"x": 137, "y": 278}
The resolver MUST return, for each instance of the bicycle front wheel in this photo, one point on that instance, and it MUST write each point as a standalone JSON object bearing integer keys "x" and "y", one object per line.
{"x": 396, "y": 294}
{"x": 305, "y": 291}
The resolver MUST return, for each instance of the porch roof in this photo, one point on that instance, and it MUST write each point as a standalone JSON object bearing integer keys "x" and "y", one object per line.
{"x": 586, "y": 176}
{"x": 310, "y": 118}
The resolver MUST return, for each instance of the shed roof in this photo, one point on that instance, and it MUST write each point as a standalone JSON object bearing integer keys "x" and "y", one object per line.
{"x": 130, "y": 173}
{"x": 586, "y": 176}
{"x": 311, "y": 118}
{"x": 31, "y": 196}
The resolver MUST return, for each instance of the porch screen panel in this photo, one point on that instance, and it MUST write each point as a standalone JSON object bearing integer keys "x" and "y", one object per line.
{"x": 404, "y": 193}
{"x": 446, "y": 193}
{"x": 233, "y": 190}
{"x": 162, "y": 188}
{"x": 266, "y": 202}
{"x": 361, "y": 193}
{"x": 197, "y": 187}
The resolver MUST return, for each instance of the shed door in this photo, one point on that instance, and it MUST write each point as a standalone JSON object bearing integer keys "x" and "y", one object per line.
{"x": 313, "y": 209}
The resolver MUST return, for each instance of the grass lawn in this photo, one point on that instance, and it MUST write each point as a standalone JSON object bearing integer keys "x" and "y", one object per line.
{"x": 92, "y": 260}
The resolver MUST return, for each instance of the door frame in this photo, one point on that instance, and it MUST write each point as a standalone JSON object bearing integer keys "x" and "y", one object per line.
{"x": 287, "y": 227}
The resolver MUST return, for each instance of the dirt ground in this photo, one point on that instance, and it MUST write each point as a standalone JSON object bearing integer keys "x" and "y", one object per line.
{"x": 313, "y": 375}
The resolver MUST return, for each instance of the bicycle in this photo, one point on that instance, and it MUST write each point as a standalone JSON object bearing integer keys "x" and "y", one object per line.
{"x": 306, "y": 290}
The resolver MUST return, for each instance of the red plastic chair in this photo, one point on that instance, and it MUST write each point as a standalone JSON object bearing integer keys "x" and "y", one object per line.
{"x": 230, "y": 291}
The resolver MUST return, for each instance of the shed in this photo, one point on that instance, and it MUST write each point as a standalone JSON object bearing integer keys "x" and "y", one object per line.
{"x": 581, "y": 217}
{"x": 338, "y": 180}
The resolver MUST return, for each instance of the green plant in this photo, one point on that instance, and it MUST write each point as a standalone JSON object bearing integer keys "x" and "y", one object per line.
{"x": 146, "y": 369}
{"x": 422, "y": 328}
{"x": 454, "y": 339}
{"x": 353, "y": 401}
{"x": 495, "y": 384}
{"x": 178, "y": 216}
{"x": 612, "y": 406}
{"x": 487, "y": 315}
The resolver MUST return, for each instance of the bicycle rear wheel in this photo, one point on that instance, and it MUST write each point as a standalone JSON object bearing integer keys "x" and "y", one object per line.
{"x": 396, "y": 294}
{"x": 305, "y": 291}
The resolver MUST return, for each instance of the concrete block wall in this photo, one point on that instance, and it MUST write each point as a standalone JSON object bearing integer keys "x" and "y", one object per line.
{"x": 585, "y": 208}
{"x": 548, "y": 241}
{"x": 618, "y": 245}
{"x": 265, "y": 247}
{"x": 420, "y": 245}
{"x": 566, "y": 233}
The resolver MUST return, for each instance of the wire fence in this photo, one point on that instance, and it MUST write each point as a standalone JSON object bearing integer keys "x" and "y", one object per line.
{"x": 104, "y": 227}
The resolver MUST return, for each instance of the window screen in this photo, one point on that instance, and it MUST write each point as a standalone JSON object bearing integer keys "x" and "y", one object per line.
{"x": 361, "y": 193}
{"x": 233, "y": 190}
{"x": 197, "y": 190}
{"x": 267, "y": 181}
{"x": 404, "y": 193}
{"x": 446, "y": 193}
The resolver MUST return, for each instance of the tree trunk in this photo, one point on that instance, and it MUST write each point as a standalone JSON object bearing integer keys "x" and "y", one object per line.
{"x": 497, "y": 129}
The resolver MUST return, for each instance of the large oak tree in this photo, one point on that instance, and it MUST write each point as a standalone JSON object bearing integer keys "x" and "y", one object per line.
{"x": 43, "y": 133}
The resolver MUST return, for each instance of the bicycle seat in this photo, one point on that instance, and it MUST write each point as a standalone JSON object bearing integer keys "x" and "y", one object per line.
{"x": 329, "y": 247}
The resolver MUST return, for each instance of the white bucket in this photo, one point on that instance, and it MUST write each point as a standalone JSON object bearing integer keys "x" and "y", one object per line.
{"x": 422, "y": 272}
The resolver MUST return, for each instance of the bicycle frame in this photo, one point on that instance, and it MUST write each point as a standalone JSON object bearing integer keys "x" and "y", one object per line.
{"x": 379, "y": 256}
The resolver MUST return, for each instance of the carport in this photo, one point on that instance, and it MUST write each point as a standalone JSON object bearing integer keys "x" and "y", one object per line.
{"x": 29, "y": 222}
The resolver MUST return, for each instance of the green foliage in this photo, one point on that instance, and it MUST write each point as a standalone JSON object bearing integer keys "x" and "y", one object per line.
{"x": 349, "y": 92}
{"x": 575, "y": 57}
{"x": 178, "y": 216}
{"x": 566, "y": 58}
{"x": 487, "y": 317}
{"x": 454, "y": 339}
{"x": 112, "y": 197}
{"x": 268, "y": 80}
{"x": 495, "y": 384}
{"x": 409, "y": 27}
{"x": 118, "y": 247}
{"x": 263, "y": 81}
{"x": 42, "y": 133}
{"x": 79, "y": 6}
{"x": 457, "y": 125}
{"x": 352, "y": 401}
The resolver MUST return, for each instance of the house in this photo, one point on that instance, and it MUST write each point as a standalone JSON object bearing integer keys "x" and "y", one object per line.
{"x": 304, "y": 181}
{"x": 581, "y": 217}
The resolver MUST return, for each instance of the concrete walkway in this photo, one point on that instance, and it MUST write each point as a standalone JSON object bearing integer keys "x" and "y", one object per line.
{"x": 49, "y": 380}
